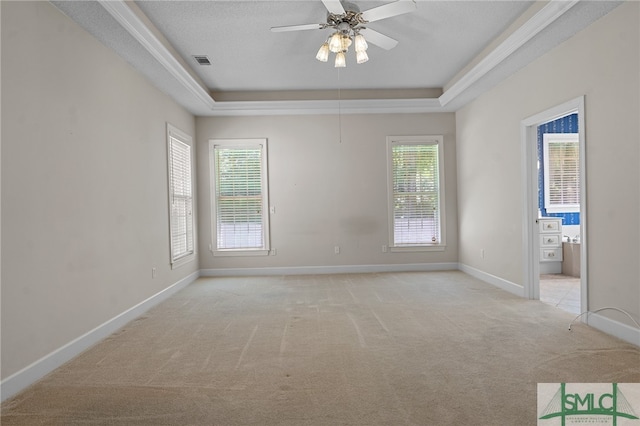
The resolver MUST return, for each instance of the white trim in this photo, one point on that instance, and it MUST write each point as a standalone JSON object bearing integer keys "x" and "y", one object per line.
{"x": 122, "y": 13}
{"x": 316, "y": 107}
{"x": 615, "y": 328}
{"x": 556, "y": 112}
{"x": 241, "y": 252}
{"x": 538, "y": 22}
{"x": 40, "y": 368}
{"x": 415, "y": 249}
{"x": 337, "y": 269}
{"x": 501, "y": 283}
{"x": 530, "y": 242}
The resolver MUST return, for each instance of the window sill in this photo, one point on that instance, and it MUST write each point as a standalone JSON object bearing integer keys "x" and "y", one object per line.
{"x": 183, "y": 260}
{"x": 562, "y": 209}
{"x": 256, "y": 252}
{"x": 410, "y": 249}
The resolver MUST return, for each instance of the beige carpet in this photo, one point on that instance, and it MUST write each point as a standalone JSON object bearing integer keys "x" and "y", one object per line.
{"x": 437, "y": 348}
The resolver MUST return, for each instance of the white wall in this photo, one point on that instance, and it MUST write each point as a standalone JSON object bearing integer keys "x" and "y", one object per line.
{"x": 602, "y": 63}
{"x": 84, "y": 184}
{"x": 327, "y": 192}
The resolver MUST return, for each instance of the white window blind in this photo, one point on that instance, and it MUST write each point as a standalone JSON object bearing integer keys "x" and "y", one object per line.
{"x": 561, "y": 172}
{"x": 180, "y": 196}
{"x": 415, "y": 189}
{"x": 240, "y": 196}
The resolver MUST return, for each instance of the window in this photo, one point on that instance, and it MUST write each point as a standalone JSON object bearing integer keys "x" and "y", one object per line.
{"x": 415, "y": 193}
{"x": 180, "y": 197}
{"x": 240, "y": 196}
{"x": 561, "y": 172}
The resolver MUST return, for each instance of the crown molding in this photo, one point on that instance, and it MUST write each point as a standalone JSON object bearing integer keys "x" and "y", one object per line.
{"x": 126, "y": 17}
{"x": 538, "y": 22}
{"x": 347, "y": 106}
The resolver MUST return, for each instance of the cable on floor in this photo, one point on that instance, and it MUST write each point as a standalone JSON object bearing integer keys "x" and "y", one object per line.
{"x": 602, "y": 309}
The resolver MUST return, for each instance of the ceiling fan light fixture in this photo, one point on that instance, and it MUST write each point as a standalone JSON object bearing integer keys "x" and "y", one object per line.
{"x": 347, "y": 21}
{"x": 335, "y": 42}
{"x": 361, "y": 57}
{"x": 323, "y": 53}
{"x": 361, "y": 43}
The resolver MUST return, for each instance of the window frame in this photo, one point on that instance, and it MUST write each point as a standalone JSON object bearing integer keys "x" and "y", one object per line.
{"x": 549, "y": 138}
{"x": 437, "y": 140}
{"x": 241, "y": 143}
{"x": 177, "y": 260}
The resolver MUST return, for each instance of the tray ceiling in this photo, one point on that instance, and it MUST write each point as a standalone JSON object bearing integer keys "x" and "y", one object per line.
{"x": 448, "y": 52}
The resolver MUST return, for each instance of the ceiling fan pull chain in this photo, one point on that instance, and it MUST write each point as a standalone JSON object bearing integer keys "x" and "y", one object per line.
{"x": 339, "y": 109}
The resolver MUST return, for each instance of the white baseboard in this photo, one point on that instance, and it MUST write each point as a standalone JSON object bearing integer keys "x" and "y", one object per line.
{"x": 513, "y": 288}
{"x": 45, "y": 365}
{"x": 337, "y": 269}
{"x": 615, "y": 328}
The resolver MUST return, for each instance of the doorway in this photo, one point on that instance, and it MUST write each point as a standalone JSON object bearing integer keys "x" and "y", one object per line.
{"x": 554, "y": 222}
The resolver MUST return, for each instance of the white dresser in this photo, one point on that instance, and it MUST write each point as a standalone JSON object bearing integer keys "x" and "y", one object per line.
{"x": 550, "y": 229}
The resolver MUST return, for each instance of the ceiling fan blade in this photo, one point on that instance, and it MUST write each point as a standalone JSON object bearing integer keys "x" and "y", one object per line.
{"x": 296, "y": 28}
{"x": 388, "y": 10}
{"x": 334, "y": 6}
{"x": 379, "y": 39}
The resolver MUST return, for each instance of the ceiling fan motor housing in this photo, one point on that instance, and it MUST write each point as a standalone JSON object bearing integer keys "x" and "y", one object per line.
{"x": 350, "y": 19}
{"x": 344, "y": 28}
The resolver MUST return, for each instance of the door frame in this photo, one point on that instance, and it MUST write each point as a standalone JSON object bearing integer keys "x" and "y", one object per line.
{"x": 530, "y": 240}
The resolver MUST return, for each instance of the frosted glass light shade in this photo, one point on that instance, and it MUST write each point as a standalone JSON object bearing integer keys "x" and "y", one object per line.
{"x": 335, "y": 43}
{"x": 341, "y": 61}
{"x": 323, "y": 53}
{"x": 362, "y": 57}
{"x": 361, "y": 43}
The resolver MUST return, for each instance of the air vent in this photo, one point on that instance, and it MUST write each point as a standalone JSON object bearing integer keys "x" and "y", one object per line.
{"x": 202, "y": 60}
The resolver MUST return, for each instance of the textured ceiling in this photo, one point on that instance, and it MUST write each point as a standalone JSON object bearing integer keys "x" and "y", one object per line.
{"x": 437, "y": 43}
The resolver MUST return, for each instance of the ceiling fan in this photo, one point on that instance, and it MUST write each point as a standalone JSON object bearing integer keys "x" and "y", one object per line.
{"x": 350, "y": 27}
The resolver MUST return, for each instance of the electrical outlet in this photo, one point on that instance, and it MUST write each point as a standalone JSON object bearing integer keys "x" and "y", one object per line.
{"x": 384, "y": 249}
{"x": 336, "y": 249}
{"x": 482, "y": 253}
{"x": 153, "y": 272}
{"x": 274, "y": 252}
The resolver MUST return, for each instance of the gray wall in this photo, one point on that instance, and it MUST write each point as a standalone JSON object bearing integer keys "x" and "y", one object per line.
{"x": 602, "y": 63}
{"x": 327, "y": 192}
{"x": 84, "y": 184}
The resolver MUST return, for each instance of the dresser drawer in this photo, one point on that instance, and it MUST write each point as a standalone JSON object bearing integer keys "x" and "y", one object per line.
{"x": 550, "y": 240}
{"x": 551, "y": 255}
{"x": 550, "y": 225}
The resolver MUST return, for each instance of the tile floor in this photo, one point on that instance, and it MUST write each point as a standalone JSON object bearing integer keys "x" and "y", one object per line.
{"x": 561, "y": 291}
